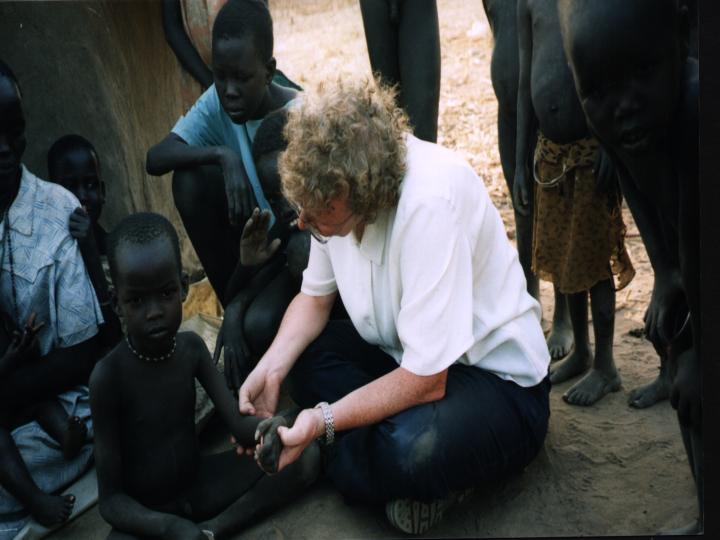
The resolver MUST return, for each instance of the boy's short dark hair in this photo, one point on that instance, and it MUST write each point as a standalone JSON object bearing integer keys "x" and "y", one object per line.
{"x": 140, "y": 229}
{"x": 5, "y": 71}
{"x": 239, "y": 18}
{"x": 66, "y": 144}
{"x": 270, "y": 136}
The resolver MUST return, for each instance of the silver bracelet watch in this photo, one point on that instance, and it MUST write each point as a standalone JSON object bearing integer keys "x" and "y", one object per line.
{"x": 329, "y": 422}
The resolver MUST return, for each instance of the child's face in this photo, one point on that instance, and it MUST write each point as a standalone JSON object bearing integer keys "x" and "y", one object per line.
{"x": 267, "y": 169}
{"x": 12, "y": 133}
{"x": 150, "y": 293}
{"x": 627, "y": 63}
{"x": 241, "y": 78}
{"x": 78, "y": 172}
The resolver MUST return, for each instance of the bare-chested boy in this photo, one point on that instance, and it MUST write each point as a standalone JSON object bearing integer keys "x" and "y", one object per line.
{"x": 153, "y": 481}
{"x": 504, "y": 74}
{"x": 578, "y": 233}
{"x": 639, "y": 90}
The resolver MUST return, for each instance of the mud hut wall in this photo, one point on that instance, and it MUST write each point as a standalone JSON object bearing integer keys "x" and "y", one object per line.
{"x": 101, "y": 69}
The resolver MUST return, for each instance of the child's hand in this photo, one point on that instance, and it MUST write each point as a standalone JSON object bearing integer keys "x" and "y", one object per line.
{"x": 267, "y": 452}
{"x": 520, "y": 197}
{"x": 686, "y": 389}
{"x": 23, "y": 341}
{"x": 254, "y": 246}
{"x": 240, "y": 197}
{"x": 81, "y": 226}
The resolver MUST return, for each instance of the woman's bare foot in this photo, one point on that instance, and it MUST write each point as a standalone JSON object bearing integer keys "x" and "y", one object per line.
{"x": 74, "y": 437}
{"x": 49, "y": 510}
{"x": 592, "y": 387}
{"x": 577, "y": 363}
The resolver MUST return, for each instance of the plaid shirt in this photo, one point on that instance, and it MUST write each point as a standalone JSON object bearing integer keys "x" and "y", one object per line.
{"x": 50, "y": 276}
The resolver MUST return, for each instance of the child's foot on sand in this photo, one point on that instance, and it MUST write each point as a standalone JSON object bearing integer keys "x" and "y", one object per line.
{"x": 560, "y": 341}
{"x": 650, "y": 394}
{"x": 49, "y": 510}
{"x": 74, "y": 437}
{"x": 592, "y": 387}
{"x": 574, "y": 365}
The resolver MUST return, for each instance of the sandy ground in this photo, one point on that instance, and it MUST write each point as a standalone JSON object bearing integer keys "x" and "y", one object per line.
{"x": 606, "y": 469}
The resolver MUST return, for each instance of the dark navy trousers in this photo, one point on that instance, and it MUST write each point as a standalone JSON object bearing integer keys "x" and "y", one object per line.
{"x": 484, "y": 429}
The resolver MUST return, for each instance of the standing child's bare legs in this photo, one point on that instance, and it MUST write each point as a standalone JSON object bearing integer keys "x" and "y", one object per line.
{"x": 581, "y": 358}
{"x": 560, "y": 340}
{"x": 603, "y": 377}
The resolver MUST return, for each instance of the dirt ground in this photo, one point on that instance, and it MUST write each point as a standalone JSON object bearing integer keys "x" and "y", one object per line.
{"x": 606, "y": 469}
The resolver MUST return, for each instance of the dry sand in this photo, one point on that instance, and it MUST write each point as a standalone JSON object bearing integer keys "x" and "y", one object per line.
{"x": 606, "y": 469}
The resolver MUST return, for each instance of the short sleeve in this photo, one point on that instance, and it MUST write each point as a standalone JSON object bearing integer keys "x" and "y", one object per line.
{"x": 318, "y": 277}
{"x": 202, "y": 125}
{"x": 435, "y": 321}
{"x": 76, "y": 308}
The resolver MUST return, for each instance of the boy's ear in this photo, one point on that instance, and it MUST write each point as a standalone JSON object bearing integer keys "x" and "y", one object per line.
{"x": 270, "y": 67}
{"x": 184, "y": 284}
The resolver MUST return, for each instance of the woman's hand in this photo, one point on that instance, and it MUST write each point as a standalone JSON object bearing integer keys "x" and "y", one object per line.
{"x": 308, "y": 426}
{"x": 259, "y": 393}
{"x": 254, "y": 246}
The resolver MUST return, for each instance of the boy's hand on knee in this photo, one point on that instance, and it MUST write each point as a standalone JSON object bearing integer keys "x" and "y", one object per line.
{"x": 254, "y": 246}
{"x": 183, "y": 529}
{"x": 240, "y": 198}
{"x": 267, "y": 452}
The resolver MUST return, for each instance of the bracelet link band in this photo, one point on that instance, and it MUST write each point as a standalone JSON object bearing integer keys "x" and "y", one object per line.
{"x": 329, "y": 438}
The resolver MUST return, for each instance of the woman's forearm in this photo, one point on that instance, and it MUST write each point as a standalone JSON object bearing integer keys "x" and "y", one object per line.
{"x": 388, "y": 395}
{"x": 304, "y": 319}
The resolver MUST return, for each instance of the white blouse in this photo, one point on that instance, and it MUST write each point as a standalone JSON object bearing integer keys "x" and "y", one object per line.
{"x": 435, "y": 281}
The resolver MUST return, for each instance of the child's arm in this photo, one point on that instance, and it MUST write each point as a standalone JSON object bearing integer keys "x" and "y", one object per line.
{"x": 81, "y": 229}
{"x": 525, "y": 112}
{"x": 117, "y": 507}
{"x": 242, "y": 427}
{"x": 173, "y": 152}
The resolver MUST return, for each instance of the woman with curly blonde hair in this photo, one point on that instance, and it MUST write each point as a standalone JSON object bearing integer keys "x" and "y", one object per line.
{"x": 438, "y": 382}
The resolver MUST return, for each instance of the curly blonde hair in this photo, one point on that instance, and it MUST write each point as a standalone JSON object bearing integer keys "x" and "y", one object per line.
{"x": 347, "y": 138}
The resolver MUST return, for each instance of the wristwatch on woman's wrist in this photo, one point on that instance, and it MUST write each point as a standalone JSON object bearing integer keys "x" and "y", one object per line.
{"x": 329, "y": 422}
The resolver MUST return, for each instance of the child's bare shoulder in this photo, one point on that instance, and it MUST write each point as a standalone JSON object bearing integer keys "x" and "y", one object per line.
{"x": 106, "y": 369}
{"x": 191, "y": 344}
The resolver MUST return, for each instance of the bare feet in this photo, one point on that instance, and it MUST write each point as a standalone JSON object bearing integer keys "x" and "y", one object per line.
{"x": 560, "y": 340}
{"x": 74, "y": 437}
{"x": 592, "y": 387}
{"x": 649, "y": 394}
{"x": 49, "y": 510}
{"x": 575, "y": 364}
